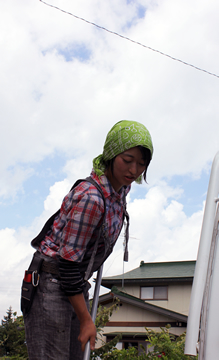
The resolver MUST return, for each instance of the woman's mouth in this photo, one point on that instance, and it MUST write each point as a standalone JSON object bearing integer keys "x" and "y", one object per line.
{"x": 130, "y": 178}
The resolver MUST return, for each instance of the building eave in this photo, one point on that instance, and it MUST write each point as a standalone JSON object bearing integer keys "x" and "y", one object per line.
{"x": 108, "y": 283}
{"x": 131, "y": 300}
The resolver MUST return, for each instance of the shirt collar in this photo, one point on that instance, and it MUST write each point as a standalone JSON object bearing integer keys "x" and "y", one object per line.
{"x": 107, "y": 187}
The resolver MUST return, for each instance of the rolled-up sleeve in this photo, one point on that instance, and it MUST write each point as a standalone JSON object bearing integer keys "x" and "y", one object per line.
{"x": 72, "y": 282}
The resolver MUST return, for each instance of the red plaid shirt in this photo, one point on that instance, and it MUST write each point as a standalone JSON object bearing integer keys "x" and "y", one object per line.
{"x": 81, "y": 212}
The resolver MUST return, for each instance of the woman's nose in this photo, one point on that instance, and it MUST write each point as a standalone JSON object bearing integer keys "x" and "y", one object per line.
{"x": 133, "y": 169}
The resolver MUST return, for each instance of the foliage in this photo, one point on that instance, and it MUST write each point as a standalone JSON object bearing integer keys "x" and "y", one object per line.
{"x": 166, "y": 346}
{"x": 105, "y": 348}
{"x": 12, "y": 336}
{"x": 129, "y": 354}
{"x": 103, "y": 315}
{"x": 163, "y": 346}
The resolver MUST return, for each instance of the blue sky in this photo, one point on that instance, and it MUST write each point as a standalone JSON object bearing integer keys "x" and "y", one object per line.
{"x": 29, "y": 201}
{"x": 65, "y": 83}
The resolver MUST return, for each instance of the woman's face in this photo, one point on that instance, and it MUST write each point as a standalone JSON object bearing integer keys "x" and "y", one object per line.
{"x": 127, "y": 167}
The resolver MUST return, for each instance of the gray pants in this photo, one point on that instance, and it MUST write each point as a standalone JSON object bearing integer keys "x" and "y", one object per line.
{"x": 51, "y": 326}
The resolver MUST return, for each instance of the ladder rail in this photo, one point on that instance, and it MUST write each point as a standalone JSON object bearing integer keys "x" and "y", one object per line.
{"x": 207, "y": 290}
{"x": 201, "y": 268}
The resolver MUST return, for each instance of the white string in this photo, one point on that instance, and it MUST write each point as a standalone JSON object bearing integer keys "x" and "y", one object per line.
{"x": 133, "y": 41}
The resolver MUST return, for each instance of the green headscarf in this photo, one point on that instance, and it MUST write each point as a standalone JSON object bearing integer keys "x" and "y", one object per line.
{"x": 124, "y": 135}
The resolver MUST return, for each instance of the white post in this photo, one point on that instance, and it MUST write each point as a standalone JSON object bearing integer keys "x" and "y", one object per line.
{"x": 202, "y": 261}
{"x": 94, "y": 309}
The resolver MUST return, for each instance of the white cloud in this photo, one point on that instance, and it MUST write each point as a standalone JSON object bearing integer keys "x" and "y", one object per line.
{"x": 173, "y": 214}
{"x": 15, "y": 256}
{"x": 12, "y": 180}
{"x": 8, "y": 241}
{"x": 57, "y": 192}
{"x": 159, "y": 231}
{"x": 50, "y": 106}
{"x": 74, "y": 169}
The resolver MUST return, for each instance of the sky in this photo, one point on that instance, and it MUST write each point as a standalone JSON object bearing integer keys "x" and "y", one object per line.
{"x": 64, "y": 83}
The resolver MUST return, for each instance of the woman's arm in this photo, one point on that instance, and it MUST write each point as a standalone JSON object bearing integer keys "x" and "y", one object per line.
{"x": 72, "y": 284}
{"x": 87, "y": 327}
{"x": 83, "y": 218}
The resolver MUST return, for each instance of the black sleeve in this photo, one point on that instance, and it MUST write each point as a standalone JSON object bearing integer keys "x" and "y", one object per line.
{"x": 72, "y": 282}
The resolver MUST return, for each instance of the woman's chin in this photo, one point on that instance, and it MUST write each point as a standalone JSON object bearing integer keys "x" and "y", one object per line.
{"x": 129, "y": 180}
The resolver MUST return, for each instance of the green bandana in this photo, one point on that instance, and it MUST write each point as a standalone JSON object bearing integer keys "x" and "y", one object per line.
{"x": 124, "y": 135}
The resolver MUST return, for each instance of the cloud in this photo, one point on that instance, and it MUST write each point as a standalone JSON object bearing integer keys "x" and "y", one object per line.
{"x": 15, "y": 256}
{"x": 159, "y": 231}
{"x": 163, "y": 229}
{"x": 13, "y": 179}
{"x": 49, "y": 104}
{"x": 16, "y": 249}
{"x": 54, "y": 100}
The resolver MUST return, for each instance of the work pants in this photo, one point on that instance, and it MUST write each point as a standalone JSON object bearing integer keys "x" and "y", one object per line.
{"x": 52, "y": 327}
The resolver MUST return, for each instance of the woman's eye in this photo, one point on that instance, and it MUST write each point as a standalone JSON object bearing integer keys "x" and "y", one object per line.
{"x": 127, "y": 161}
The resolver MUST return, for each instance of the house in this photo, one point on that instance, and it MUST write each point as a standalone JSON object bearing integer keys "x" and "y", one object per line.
{"x": 152, "y": 295}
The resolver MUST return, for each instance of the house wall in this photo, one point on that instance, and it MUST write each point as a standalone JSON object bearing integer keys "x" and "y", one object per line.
{"x": 132, "y": 314}
{"x": 178, "y": 297}
{"x": 127, "y": 312}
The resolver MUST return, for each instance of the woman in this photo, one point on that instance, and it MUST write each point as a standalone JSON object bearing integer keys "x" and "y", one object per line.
{"x": 58, "y": 324}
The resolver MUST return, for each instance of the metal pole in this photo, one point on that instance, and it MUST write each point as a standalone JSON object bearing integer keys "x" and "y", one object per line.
{"x": 94, "y": 308}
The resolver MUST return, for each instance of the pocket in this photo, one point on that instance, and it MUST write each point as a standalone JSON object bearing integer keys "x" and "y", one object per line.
{"x": 53, "y": 284}
{"x": 30, "y": 283}
{"x": 27, "y": 295}
{"x": 28, "y": 289}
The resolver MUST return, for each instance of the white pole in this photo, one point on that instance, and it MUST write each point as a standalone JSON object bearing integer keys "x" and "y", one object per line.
{"x": 94, "y": 309}
{"x": 202, "y": 261}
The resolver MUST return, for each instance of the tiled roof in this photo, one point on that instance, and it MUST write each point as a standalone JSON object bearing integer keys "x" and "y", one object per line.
{"x": 158, "y": 270}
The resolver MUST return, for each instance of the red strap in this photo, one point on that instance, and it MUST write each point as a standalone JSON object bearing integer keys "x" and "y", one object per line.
{"x": 28, "y": 276}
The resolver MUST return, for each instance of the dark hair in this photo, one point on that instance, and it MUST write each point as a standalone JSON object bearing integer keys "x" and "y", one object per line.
{"x": 146, "y": 155}
{"x": 109, "y": 164}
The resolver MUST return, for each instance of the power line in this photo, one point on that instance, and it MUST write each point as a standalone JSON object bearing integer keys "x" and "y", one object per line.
{"x": 133, "y": 41}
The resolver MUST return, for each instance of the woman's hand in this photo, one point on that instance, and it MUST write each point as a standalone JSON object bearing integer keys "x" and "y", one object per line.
{"x": 87, "y": 332}
{"x": 87, "y": 327}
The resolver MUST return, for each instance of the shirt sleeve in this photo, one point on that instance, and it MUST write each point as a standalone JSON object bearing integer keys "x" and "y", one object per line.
{"x": 82, "y": 217}
{"x": 72, "y": 282}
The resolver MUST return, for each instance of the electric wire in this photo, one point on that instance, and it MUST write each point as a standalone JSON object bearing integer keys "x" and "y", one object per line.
{"x": 133, "y": 41}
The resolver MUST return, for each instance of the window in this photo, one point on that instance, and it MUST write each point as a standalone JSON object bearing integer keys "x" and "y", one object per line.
{"x": 137, "y": 341}
{"x": 154, "y": 293}
{"x": 119, "y": 345}
{"x": 128, "y": 344}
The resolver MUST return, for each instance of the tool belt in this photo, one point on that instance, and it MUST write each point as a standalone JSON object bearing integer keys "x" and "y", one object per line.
{"x": 50, "y": 267}
{"x": 32, "y": 278}
{"x": 30, "y": 283}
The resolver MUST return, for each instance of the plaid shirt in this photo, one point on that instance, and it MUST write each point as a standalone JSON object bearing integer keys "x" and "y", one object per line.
{"x": 75, "y": 230}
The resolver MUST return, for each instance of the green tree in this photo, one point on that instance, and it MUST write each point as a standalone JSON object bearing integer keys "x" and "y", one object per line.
{"x": 103, "y": 315}
{"x": 163, "y": 346}
{"x": 12, "y": 336}
{"x": 129, "y": 354}
{"x": 166, "y": 346}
